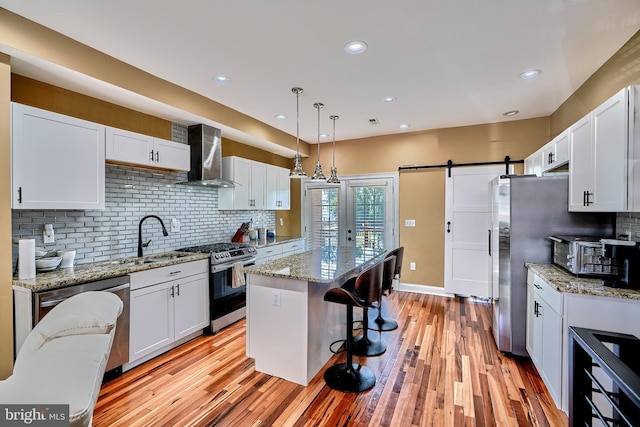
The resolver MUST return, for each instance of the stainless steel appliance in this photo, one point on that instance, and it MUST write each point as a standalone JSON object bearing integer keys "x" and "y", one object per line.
{"x": 44, "y": 302}
{"x": 582, "y": 255}
{"x": 626, "y": 257}
{"x": 227, "y": 304}
{"x": 206, "y": 157}
{"x": 526, "y": 210}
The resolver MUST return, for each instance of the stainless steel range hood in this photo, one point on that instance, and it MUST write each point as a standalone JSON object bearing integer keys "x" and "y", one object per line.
{"x": 206, "y": 157}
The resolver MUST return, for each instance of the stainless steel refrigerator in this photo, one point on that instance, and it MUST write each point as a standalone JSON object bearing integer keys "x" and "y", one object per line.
{"x": 526, "y": 210}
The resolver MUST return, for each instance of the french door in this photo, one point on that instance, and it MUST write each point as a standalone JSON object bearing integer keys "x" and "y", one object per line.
{"x": 360, "y": 211}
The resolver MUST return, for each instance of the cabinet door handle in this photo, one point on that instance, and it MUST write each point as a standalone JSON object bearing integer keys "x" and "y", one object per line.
{"x": 157, "y": 156}
{"x": 536, "y": 310}
{"x": 151, "y": 157}
{"x": 19, "y": 194}
{"x": 448, "y": 226}
{"x": 172, "y": 292}
{"x": 178, "y": 289}
{"x": 588, "y": 200}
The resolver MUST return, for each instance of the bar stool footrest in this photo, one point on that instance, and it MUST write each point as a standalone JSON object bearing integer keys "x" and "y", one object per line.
{"x": 362, "y": 346}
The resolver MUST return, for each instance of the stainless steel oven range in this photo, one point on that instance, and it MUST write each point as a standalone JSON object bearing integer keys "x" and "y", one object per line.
{"x": 227, "y": 304}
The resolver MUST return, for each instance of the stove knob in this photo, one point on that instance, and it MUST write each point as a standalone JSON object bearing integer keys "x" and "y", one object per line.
{"x": 215, "y": 256}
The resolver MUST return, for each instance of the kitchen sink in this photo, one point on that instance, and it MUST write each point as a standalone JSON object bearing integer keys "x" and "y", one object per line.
{"x": 148, "y": 259}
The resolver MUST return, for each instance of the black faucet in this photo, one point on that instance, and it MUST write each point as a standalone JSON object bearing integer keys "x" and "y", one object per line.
{"x": 140, "y": 244}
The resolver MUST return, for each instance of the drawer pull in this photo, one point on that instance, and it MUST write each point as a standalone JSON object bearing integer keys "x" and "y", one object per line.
{"x": 537, "y": 286}
{"x": 175, "y": 272}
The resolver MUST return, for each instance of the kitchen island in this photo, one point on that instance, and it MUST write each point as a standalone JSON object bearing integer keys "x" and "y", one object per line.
{"x": 289, "y": 325}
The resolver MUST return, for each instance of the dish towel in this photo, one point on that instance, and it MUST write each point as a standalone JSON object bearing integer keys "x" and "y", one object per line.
{"x": 237, "y": 276}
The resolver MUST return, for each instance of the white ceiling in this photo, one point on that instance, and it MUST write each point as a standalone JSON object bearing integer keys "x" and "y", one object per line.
{"x": 448, "y": 62}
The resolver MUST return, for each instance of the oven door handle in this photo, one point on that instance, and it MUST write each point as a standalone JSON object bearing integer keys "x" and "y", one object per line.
{"x": 222, "y": 267}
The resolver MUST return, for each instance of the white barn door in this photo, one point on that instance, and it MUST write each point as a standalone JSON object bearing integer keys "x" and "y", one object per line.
{"x": 467, "y": 265}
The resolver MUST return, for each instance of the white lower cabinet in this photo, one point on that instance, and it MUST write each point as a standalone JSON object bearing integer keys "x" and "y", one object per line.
{"x": 167, "y": 305}
{"x": 279, "y": 250}
{"x": 550, "y": 313}
{"x": 544, "y": 333}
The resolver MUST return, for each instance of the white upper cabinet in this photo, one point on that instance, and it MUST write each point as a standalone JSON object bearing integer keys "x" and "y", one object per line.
{"x": 136, "y": 149}
{"x": 556, "y": 152}
{"x": 57, "y": 162}
{"x": 172, "y": 155}
{"x": 278, "y": 188}
{"x": 250, "y": 188}
{"x": 533, "y": 164}
{"x": 603, "y": 156}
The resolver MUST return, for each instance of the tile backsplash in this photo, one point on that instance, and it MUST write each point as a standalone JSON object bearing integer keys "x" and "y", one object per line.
{"x": 132, "y": 193}
{"x": 628, "y": 222}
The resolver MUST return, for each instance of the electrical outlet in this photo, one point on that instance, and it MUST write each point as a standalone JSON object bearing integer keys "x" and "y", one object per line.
{"x": 48, "y": 235}
{"x": 412, "y": 266}
{"x": 175, "y": 225}
{"x": 275, "y": 298}
{"x": 409, "y": 222}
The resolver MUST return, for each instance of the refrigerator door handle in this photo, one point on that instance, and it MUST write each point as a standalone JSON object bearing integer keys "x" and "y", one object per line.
{"x": 489, "y": 242}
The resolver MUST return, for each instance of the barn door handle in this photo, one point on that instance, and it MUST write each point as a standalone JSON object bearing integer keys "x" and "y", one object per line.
{"x": 448, "y": 226}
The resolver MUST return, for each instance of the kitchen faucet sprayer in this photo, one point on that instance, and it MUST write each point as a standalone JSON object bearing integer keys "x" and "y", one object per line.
{"x": 140, "y": 244}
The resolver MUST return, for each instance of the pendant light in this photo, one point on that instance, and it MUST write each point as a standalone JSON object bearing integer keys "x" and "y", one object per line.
{"x": 333, "y": 179}
{"x": 297, "y": 171}
{"x": 318, "y": 173}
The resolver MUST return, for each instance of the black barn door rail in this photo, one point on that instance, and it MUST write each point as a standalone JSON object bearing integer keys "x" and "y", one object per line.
{"x": 507, "y": 161}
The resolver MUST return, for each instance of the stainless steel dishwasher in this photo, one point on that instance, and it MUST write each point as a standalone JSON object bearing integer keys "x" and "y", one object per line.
{"x": 44, "y": 302}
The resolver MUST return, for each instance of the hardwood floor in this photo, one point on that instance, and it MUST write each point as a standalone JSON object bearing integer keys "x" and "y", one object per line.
{"x": 441, "y": 368}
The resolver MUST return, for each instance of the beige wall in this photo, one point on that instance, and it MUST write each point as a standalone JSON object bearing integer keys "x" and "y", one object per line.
{"x": 621, "y": 70}
{"x": 6, "y": 295}
{"x": 422, "y": 191}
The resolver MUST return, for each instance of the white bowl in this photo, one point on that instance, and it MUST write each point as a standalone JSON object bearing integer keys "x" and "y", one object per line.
{"x": 40, "y": 252}
{"x": 48, "y": 264}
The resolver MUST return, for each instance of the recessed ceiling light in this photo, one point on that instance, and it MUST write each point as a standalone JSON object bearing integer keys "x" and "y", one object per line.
{"x": 221, "y": 79}
{"x": 405, "y": 126}
{"x": 530, "y": 74}
{"x": 324, "y": 135}
{"x": 355, "y": 47}
{"x": 390, "y": 99}
{"x": 280, "y": 116}
{"x": 511, "y": 113}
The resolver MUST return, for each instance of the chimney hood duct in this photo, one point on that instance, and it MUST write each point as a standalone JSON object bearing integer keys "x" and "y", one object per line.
{"x": 206, "y": 157}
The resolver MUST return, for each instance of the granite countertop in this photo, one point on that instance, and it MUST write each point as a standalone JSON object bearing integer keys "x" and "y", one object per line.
{"x": 563, "y": 281}
{"x": 82, "y": 273}
{"x": 271, "y": 241}
{"x": 324, "y": 265}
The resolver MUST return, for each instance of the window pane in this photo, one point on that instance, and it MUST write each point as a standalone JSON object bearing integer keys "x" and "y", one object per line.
{"x": 370, "y": 218}
{"x": 324, "y": 218}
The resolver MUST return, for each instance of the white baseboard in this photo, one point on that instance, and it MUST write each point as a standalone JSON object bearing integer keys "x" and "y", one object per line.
{"x": 422, "y": 289}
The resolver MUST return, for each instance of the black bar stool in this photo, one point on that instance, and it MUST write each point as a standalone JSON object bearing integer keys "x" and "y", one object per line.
{"x": 391, "y": 274}
{"x": 362, "y": 291}
{"x": 362, "y": 344}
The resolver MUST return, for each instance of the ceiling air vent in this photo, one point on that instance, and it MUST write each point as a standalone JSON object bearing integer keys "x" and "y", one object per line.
{"x": 374, "y": 121}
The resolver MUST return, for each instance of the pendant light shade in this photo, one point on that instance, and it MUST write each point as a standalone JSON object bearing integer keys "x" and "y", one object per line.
{"x": 333, "y": 179}
{"x": 318, "y": 173}
{"x": 297, "y": 171}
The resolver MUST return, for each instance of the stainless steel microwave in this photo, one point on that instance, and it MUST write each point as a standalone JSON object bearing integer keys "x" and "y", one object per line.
{"x": 582, "y": 255}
